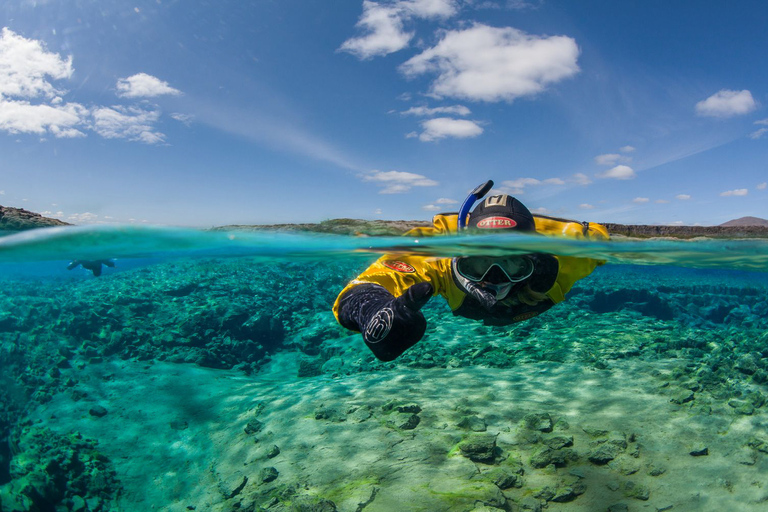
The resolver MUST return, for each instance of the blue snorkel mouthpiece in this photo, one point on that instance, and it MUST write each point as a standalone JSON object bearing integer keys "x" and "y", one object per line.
{"x": 470, "y": 201}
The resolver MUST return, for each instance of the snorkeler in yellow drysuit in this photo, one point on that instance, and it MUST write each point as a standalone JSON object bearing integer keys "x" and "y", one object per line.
{"x": 384, "y": 302}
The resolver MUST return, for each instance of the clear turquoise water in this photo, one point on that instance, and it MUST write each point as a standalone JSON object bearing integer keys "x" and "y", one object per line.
{"x": 241, "y": 302}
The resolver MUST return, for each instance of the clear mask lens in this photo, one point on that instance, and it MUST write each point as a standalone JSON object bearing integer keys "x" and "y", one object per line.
{"x": 477, "y": 268}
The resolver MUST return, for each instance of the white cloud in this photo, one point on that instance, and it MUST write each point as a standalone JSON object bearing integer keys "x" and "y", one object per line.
{"x": 30, "y": 103}
{"x": 458, "y": 110}
{"x": 377, "y": 211}
{"x": 429, "y": 8}
{"x": 26, "y": 66}
{"x": 384, "y": 27}
{"x": 762, "y": 121}
{"x": 554, "y": 181}
{"x": 581, "y": 179}
{"x": 143, "y": 85}
{"x": 726, "y": 103}
{"x": 758, "y": 133}
{"x": 397, "y": 182}
{"x": 132, "y": 123}
{"x": 442, "y": 127}
{"x": 620, "y": 172}
{"x": 59, "y": 120}
{"x": 83, "y": 218}
{"x": 586, "y": 206}
{"x": 521, "y": 183}
{"x": 484, "y": 63}
{"x": 612, "y": 159}
{"x": 762, "y": 186}
{"x": 445, "y": 200}
{"x": 627, "y": 149}
{"x": 55, "y": 215}
{"x": 2, "y": 192}
{"x": 640, "y": 200}
{"x": 183, "y": 118}
{"x": 431, "y": 207}
{"x": 737, "y": 192}
{"x": 682, "y": 197}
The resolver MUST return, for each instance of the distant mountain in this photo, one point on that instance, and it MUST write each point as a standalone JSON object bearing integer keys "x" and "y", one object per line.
{"x": 19, "y": 219}
{"x": 746, "y": 221}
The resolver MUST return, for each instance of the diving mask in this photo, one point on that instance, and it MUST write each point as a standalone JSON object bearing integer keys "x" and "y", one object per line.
{"x": 485, "y": 268}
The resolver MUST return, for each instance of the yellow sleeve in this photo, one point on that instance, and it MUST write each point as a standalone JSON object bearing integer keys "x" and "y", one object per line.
{"x": 571, "y": 268}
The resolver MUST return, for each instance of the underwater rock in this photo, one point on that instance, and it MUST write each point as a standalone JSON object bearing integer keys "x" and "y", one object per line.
{"x": 232, "y": 485}
{"x": 49, "y": 470}
{"x": 557, "y": 442}
{"x": 682, "y": 397}
{"x": 330, "y": 414}
{"x": 360, "y": 414}
{"x": 267, "y": 475}
{"x": 504, "y": 478}
{"x": 546, "y": 456}
{"x": 179, "y": 425}
{"x": 273, "y": 452}
{"x": 742, "y": 407}
{"x": 698, "y": 450}
{"x": 633, "y": 490}
{"x": 98, "y": 411}
{"x": 758, "y": 444}
{"x": 312, "y": 504}
{"x": 473, "y": 423}
{"x": 568, "y": 489}
{"x": 403, "y": 421}
{"x": 254, "y": 426}
{"x": 310, "y": 367}
{"x": 479, "y": 448}
{"x": 604, "y": 454}
{"x": 537, "y": 421}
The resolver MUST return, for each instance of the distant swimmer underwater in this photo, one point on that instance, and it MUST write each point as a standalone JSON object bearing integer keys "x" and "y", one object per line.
{"x": 384, "y": 302}
{"x": 92, "y": 265}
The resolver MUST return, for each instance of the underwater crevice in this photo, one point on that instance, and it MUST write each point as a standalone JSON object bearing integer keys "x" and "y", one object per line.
{"x": 642, "y": 301}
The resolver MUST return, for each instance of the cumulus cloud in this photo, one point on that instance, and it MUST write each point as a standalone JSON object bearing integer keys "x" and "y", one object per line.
{"x": 581, "y": 179}
{"x": 445, "y": 200}
{"x": 132, "y": 123}
{"x": 484, "y": 63}
{"x": 762, "y": 186}
{"x": 586, "y": 206}
{"x": 443, "y": 127}
{"x": 31, "y": 103}
{"x": 620, "y": 172}
{"x": 430, "y": 208}
{"x": 640, "y": 200}
{"x": 26, "y": 67}
{"x": 611, "y": 159}
{"x": 143, "y": 85}
{"x": 726, "y": 103}
{"x": 627, "y": 149}
{"x": 458, "y": 110}
{"x": 737, "y": 192}
{"x": 59, "y": 120}
{"x": 384, "y": 25}
{"x": 397, "y": 182}
{"x": 682, "y": 197}
{"x": 518, "y": 186}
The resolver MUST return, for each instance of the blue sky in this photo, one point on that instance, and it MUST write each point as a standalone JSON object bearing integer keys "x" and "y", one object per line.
{"x": 244, "y": 112}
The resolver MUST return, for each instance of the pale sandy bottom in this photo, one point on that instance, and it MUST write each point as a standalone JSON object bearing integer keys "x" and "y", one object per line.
{"x": 363, "y": 463}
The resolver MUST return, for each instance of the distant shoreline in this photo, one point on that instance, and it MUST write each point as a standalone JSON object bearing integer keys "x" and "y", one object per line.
{"x": 18, "y": 219}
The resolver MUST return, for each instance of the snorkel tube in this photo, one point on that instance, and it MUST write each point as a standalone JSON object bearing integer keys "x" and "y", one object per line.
{"x": 470, "y": 201}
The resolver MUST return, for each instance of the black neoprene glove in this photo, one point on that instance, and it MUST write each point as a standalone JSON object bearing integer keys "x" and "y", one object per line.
{"x": 389, "y": 325}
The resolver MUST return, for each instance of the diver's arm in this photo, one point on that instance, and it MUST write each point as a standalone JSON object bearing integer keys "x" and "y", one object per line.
{"x": 389, "y": 325}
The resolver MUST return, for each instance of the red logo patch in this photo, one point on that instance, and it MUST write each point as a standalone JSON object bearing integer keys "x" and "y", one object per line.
{"x": 400, "y": 266}
{"x": 496, "y": 223}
